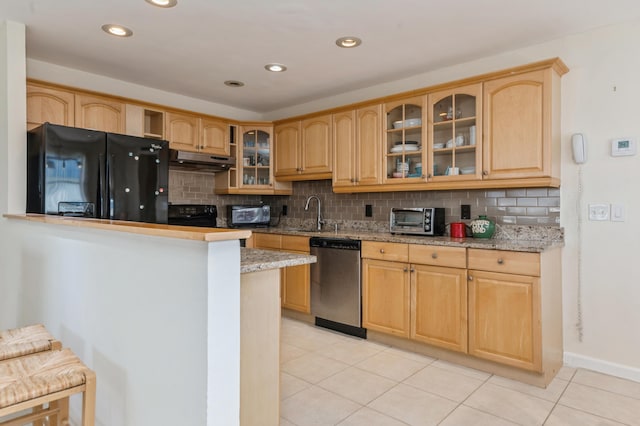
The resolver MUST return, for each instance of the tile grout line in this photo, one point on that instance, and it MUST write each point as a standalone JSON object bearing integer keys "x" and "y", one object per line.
{"x": 558, "y": 401}
{"x": 469, "y": 396}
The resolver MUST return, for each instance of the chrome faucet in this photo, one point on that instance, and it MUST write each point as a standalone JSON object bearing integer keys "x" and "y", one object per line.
{"x": 306, "y": 207}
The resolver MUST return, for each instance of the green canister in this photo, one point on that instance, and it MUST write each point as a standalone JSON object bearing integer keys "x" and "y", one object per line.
{"x": 482, "y": 227}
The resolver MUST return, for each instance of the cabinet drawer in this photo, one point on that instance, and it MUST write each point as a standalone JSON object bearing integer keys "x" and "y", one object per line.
{"x": 454, "y": 257}
{"x": 267, "y": 241}
{"x": 511, "y": 262}
{"x": 385, "y": 251}
{"x": 295, "y": 243}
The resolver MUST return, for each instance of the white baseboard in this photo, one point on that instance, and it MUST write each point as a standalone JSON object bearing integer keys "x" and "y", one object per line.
{"x": 606, "y": 367}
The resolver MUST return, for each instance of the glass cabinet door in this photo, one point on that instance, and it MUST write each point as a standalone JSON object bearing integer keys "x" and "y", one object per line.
{"x": 455, "y": 134}
{"x": 256, "y": 157}
{"x": 404, "y": 140}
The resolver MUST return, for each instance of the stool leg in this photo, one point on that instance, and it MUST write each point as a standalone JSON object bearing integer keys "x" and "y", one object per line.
{"x": 89, "y": 400}
{"x": 63, "y": 405}
{"x": 38, "y": 422}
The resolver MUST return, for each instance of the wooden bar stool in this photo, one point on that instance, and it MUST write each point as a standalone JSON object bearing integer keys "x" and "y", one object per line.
{"x": 27, "y": 340}
{"x": 28, "y": 383}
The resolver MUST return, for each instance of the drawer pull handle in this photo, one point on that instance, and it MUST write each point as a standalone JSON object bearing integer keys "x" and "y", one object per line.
{"x": 500, "y": 261}
{"x": 382, "y": 251}
{"x": 434, "y": 255}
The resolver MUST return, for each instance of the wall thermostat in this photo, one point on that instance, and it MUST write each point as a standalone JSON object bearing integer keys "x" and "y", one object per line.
{"x": 626, "y": 146}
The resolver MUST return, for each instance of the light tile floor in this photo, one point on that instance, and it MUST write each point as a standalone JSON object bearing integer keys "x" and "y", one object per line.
{"x": 329, "y": 378}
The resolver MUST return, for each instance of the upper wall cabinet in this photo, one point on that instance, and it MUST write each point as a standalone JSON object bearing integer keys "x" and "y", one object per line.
{"x": 522, "y": 126}
{"x": 404, "y": 142}
{"x": 182, "y": 131}
{"x": 99, "y": 113}
{"x": 357, "y": 138}
{"x": 214, "y": 136}
{"x": 455, "y": 134}
{"x": 45, "y": 104}
{"x": 303, "y": 149}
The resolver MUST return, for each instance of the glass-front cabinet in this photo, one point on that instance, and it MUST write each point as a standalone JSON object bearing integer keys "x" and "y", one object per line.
{"x": 255, "y": 162}
{"x": 404, "y": 141}
{"x": 455, "y": 126}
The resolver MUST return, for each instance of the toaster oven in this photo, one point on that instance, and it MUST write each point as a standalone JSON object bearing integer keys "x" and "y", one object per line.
{"x": 417, "y": 221}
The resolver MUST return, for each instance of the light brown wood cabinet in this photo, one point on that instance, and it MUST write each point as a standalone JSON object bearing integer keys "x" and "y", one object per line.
{"x": 357, "y": 138}
{"x": 416, "y": 300}
{"x": 182, "y": 131}
{"x": 501, "y": 306}
{"x": 99, "y": 113}
{"x": 439, "y": 306}
{"x": 385, "y": 296}
{"x": 505, "y": 307}
{"x": 522, "y": 125}
{"x": 46, "y": 104}
{"x": 295, "y": 281}
{"x": 404, "y": 141}
{"x": 303, "y": 149}
{"x": 455, "y": 134}
{"x": 214, "y": 136}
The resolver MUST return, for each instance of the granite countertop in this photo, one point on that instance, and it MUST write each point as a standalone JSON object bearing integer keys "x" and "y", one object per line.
{"x": 254, "y": 260}
{"x": 518, "y": 241}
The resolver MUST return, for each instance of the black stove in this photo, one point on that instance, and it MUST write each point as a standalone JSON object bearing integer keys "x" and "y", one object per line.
{"x": 193, "y": 215}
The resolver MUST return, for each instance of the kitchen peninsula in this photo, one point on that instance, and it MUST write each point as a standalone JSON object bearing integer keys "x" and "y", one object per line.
{"x": 168, "y": 316}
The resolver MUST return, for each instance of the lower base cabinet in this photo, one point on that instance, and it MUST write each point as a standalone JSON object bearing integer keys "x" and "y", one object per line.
{"x": 504, "y": 319}
{"x": 385, "y": 296}
{"x": 439, "y": 306}
{"x": 295, "y": 281}
{"x": 495, "y": 305}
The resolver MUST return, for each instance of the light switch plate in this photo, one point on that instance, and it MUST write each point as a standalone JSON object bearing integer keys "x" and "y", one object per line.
{"x": 617, "y": 213}
{"x": 598, "y": 211}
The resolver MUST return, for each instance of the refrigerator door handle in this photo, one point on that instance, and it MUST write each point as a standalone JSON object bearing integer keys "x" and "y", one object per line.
{"x": 102, "y": 190}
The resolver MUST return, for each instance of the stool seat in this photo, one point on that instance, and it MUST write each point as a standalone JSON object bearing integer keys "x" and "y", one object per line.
{"x": 29, "y": 383}
{"x": 26, "y": 341}
{"x": 23, "y": 379}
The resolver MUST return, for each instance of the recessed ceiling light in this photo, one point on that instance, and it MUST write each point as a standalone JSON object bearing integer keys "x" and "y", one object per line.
{"x": 234, "y": 83}
{"x": 163, "y": 3}
{"x": 348, "y": 42}
{"x": 117, "y": 30}
{"x": 275, "y": 67}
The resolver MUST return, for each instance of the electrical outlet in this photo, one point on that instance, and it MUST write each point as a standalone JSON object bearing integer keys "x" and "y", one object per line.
{"x": 465, "y": 211}
{"x": 368, "y": 210}
{"x": 284, "y": 210}
{"x": 598, "y": 211}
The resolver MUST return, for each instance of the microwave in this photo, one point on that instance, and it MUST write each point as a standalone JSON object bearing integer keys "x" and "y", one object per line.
{"x": 248, "y": 216}
{"x": 417, "y": 221}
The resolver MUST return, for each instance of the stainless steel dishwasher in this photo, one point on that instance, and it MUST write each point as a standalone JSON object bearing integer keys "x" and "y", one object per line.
{"x": 336, "y": 296}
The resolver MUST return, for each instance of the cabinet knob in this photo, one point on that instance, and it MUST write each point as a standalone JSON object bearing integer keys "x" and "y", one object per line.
{"x": 470, "y": 278}
{"x": 500, "y": 261}
{"x": 406, "y": 269}
{"x": 412, "y": 270}
{"x": 485, "y": 173}
{"x": 382, "y": 251}
{"x": 434, "y": 255}
{"x": 429, "y": 175}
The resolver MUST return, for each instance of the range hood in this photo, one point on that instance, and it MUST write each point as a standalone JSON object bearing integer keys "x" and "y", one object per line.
{"x": 198, "y": 161}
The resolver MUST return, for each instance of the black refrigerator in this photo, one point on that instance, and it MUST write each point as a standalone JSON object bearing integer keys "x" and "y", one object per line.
{"x": 86, "y": 173}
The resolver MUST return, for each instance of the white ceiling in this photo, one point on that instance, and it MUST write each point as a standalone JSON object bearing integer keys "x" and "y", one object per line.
{"x": 193, "y": 48}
